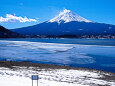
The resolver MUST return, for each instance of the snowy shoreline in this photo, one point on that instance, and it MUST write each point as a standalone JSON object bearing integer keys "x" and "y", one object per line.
{"x": 11, "y": 64}
{"x": 19, "y": 74}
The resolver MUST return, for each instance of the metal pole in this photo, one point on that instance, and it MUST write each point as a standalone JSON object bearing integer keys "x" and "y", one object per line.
{"x": 32, "y": 82}
{"x": 37, "y": 82}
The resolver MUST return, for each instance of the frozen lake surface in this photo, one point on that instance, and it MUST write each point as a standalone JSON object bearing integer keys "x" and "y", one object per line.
{"x": 88, "y": 53}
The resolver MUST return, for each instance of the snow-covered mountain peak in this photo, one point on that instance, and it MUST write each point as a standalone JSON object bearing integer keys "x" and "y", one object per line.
{"x": 64, "y": 12}
{"x": 68, "y": 16}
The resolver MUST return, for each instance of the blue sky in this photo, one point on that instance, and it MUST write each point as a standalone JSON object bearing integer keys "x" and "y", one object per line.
{"x": 102, "y": 11}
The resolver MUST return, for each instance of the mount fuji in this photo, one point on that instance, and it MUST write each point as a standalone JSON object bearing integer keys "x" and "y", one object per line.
{"x": 68, "y": 23}
{"x": 68, "y": 16}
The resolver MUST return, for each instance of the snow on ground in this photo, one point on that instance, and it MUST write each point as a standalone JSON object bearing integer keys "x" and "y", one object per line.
{"x": 21, "y": 76}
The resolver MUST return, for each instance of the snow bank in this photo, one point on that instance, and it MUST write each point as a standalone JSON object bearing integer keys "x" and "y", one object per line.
{"x": 21, "y": 76}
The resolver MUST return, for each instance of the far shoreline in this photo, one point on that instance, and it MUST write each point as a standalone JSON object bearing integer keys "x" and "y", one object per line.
{"x": 54, "y": 38}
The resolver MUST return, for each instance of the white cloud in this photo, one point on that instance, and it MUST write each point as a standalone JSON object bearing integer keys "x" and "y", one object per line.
{"x": 14, "y": 19}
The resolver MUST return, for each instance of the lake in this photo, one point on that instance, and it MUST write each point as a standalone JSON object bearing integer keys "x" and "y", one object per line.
{"x": 86, "y": 53}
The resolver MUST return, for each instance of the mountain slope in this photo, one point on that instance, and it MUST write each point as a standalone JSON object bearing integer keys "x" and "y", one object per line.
{"x": 68, "y": 23}
{"x": 5, "y": 33}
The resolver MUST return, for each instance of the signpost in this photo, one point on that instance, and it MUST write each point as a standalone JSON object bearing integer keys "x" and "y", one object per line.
{"x": 35, "y": 77}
